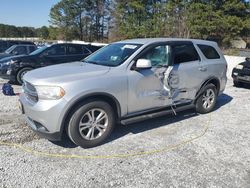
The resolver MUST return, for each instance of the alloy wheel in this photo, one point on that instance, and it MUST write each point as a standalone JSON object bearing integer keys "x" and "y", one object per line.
{"x": 93, "y": 124}
{"x": 208, "y": 98}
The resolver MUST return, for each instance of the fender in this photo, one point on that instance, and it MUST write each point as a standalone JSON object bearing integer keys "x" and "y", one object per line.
{"x": 210, "y": 80}
{"x": 109, "y": 98}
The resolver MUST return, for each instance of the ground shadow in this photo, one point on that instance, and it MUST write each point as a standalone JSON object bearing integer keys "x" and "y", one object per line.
{"x": 222, "y": 100}
{"x": 150, "y": 124}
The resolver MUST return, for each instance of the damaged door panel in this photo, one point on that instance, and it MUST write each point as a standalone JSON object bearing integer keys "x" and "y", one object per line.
{"x": 173, "y": 79}
{"x": 150, "y": 88}
{"x": 185, "y": 76}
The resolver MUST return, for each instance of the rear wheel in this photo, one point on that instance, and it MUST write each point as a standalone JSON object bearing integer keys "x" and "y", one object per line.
{"x": 207, "y": 100}
{"x": 91, "y": 123}
{"x": 21, "y": 73}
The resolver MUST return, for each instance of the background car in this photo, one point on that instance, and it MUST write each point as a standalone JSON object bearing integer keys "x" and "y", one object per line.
{"x": 20, "y": 49}
{"x": 5, "y": 44}
{"x": 241, "y": 73}
{"x": 13, "y": 68}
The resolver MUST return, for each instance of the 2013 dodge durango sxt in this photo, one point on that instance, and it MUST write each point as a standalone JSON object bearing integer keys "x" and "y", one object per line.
{"x": 123, "y": 82}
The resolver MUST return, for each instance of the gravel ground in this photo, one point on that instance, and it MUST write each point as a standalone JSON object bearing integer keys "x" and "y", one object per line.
{"x": 189, "y": 150}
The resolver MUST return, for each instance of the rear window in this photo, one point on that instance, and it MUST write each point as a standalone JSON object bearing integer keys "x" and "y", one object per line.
{"x": 32, "y": 48}
{"x": 75, "y": 49}
{"x": 209, "y": 52}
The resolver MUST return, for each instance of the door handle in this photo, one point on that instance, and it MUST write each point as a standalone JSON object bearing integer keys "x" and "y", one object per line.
{"x": 203, "y": 69}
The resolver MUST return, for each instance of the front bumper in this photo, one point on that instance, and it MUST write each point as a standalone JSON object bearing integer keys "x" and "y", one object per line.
{"x": 241, "y": 75}
{"x": 44, "y": 117}
{"x": 6, "y": 73}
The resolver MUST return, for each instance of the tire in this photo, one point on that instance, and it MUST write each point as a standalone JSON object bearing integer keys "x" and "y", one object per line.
{"x": 20, "y": 74}
{"x": 237, "y": 83}
{"x": 209, "y": 94}
{"x": 87, "y": 132}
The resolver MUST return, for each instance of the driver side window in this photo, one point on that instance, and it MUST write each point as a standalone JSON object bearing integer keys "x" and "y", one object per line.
{"x": 56, "y": 50}
{"x": 158, "y": 55}
{"x": 19, "y": 50}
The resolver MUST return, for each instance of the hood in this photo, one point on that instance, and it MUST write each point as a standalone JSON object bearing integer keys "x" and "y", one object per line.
{"x": 245, "y": 64}
{"x": 64, "y": 73}
{"x": 14, "y": 58}
{"x": 4, "y": 55}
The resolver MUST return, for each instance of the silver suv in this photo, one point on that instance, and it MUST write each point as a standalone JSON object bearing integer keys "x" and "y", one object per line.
{"x": 124, "y": 82}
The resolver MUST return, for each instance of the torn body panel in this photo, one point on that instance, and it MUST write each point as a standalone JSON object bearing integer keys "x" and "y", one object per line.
{"x": 152, "y": 88}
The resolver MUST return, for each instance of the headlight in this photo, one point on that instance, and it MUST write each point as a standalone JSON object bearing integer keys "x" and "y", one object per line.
{"x": 9, "y": 62}
{"x": 50, "y": 92}
{"x": 239, "y": 67}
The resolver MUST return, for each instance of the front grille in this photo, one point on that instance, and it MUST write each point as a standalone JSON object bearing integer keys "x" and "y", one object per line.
{"x": 246, "y": 69}
{"x": 30, "y": 91}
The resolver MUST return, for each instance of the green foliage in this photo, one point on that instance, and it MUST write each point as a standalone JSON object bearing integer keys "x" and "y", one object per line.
{"x": 13, "y": 31}
{"x": 205, "y": 19}
{"x": 43, "y": 32}
{"x": 79, "y": 19}
{"x": 103, "y": 20}
{"x": 221, "y": 22}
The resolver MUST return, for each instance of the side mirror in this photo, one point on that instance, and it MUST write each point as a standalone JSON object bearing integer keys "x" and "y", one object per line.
{"x": 15, "y": 52}
{"x": 247, "y": 58}
{"x": 143, "y": 64}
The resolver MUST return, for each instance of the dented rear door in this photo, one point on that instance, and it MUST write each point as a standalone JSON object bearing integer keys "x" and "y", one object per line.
{"x": 185, "y": 77}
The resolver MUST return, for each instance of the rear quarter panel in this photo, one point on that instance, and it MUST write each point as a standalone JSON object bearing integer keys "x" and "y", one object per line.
{"x": 215, "y": 67}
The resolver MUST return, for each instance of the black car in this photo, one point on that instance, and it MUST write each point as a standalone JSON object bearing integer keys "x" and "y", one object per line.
{"x": 241, "y": 73}
{"x": 13, "y": 68}
{"x": 20, "y": 49}
{"x": 5, "y": 44}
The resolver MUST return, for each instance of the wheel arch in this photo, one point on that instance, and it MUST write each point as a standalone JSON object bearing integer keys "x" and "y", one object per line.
{"x": 27, "y": 66}
{"x": 212, "y": 80}
{"x": 110, "y": 99}
{"x": 21, "y": 68}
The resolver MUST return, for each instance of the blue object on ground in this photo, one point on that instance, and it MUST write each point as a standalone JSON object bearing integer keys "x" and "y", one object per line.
{"x": 8, "y": 89}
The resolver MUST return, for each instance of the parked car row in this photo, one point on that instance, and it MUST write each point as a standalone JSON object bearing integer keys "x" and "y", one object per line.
{"x": 14, "y": 67}
{"x": 20, "y": 49}
{"x": 5, "y": 44}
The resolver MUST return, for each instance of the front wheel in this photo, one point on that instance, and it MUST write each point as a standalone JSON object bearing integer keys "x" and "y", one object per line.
{"x": 91, "y": 123}
{"x": 21, "y": 73}
{"x": 207, "y": 100}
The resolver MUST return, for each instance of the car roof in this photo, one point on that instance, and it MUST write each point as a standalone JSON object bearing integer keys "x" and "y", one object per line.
{"x": 154, "y": 40}
{"x": 24, "y": 45}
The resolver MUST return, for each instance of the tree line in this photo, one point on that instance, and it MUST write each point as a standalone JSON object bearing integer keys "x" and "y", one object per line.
{"x": 11, "y": 31}
{"x": 111, "y": 20}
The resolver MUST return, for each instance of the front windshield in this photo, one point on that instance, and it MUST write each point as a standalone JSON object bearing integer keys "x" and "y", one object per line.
{"x": 8, "y": 51}
{"x": 113, "y": 54}
{"x": 39, "y": 50}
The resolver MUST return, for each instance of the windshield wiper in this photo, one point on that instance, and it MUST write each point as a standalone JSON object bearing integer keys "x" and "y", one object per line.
{"x": 91, "y": 62}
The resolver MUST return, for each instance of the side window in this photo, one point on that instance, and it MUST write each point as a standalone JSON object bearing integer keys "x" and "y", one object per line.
{"x": 209, "y": 52}
{"x": 32, "y": 48}
{"x": 75, "y": 49}
{"x": 20, "y": 50}
{"x": 57, "y": 50}
{"x": 184, "y": 53}
{"x": 158, "y": 55}
{"x": 85, "y": 50}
